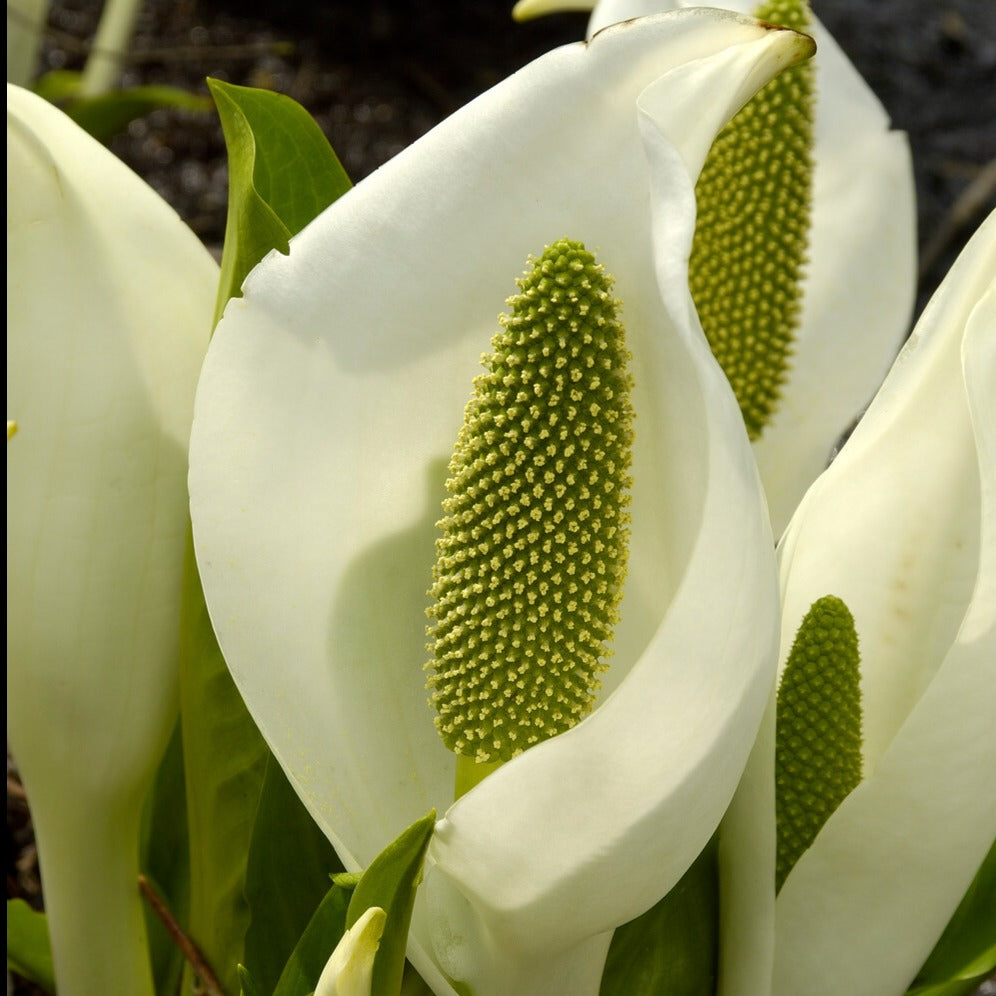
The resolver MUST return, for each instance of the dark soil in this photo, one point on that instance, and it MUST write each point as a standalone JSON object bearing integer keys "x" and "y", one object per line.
{"x": 378, "y": 75}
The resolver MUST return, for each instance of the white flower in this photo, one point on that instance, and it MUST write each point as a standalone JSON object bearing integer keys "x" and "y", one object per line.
{"x": 331, "y": 398}
{"x": 109, "y": 302}
{"x": 902, "y": 527}
{"x": 860, "y": 281}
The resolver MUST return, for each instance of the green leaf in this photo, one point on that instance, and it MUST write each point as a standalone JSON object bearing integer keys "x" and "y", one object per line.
{"x": 58, "y": 86}
{"x": 282, "y": 173}
{"x": 225, "y": 759}
{"x": 248, "y": 983}
{"x": 673, "y": 948}
{"x": 290, "y": 861}
{"x": 390, "y": 883}
{"x": 165, "y": 861}
{"x": 110, "y": 113}
{"x": 413, "y": 984}
{"x": 323, "y": 933}
{"x": 965, "y": 954}
{"x": 29, "y": 952}
{"x": 953, "y": 987}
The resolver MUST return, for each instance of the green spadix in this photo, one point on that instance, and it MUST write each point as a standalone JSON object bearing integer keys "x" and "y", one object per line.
{"x": 818, "y": 738}
{"x": 752, "y": 231}
{"x": 533, "y": 547}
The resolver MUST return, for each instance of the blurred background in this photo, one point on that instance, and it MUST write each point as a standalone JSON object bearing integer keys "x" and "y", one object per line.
{"x": 378, "y": 75}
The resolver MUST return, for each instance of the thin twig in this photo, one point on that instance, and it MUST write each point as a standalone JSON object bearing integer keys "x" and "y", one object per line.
{"x": 187, "y": 947}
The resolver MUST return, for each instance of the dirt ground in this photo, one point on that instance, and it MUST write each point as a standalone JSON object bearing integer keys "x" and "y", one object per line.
{"x": 378, "y": 75}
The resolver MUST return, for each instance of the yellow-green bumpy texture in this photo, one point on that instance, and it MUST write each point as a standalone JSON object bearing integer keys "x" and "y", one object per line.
{"x": 534, "y": 538}
{"x": 818, "y": 738}
{"x": 752, "y": 232}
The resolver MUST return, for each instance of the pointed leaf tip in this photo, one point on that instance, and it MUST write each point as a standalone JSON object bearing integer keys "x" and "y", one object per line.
{"x": 390, "y": 883}
{"x": 268, "y": 203}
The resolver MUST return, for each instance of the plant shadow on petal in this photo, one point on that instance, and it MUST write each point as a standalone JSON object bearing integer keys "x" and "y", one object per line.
{"x": 398, "y": 767}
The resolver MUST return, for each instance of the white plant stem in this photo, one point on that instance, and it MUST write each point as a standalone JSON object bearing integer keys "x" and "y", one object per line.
{"x": 88, "y": 855}
{"x": 110, "y": 45}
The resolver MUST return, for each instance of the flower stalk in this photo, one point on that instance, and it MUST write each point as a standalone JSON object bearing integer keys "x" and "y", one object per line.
{"x": 104, "y": 347}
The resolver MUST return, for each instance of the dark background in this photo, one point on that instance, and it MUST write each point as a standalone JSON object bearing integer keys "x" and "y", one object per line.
{"x": 378, "y": 75}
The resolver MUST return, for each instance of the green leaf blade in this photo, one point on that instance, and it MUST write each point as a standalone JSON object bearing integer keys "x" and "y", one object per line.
{"x": 282, "y": 173}
{"x": 674, "y": 947}
{"x": 29, "y": 951}
{"x": 312, "y": 951}
{"x": 165, "y": 861}
{"x": 290, "y": 861}
{"x": 390, "y": 883}
{"x": 224, "y": 762}
{"x": 109, "y": 114}
{"x": 965, "y": 955}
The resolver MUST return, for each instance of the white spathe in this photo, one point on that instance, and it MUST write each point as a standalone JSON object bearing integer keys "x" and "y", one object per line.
{"x": 902, "y": 527}
{"x": 860, "y": 282}
{"x": 109, "y": 303}
{"x": 329, "y": 405}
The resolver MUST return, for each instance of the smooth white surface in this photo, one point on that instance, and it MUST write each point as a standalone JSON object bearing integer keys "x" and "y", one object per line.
{"x": 860, "y": 282}
{"x": 109, "y": 303}
{"x": 903, "y": 528}
{"x": 330, "y": 401}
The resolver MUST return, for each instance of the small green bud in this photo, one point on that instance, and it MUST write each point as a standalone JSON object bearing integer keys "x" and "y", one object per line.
{"x": 818, "y": 736}
{"x": 532, "y": 554}
{"x": 752, "y": 231}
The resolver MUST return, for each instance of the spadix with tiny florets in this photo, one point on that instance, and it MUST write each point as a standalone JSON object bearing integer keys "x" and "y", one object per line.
{"x": 806, "y": 191}
{"x": 532, "y": 557}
